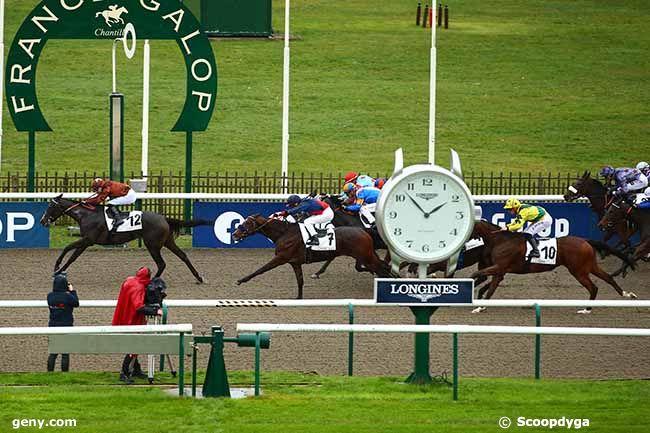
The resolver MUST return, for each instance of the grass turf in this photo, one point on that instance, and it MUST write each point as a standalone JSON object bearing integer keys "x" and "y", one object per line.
{"x": 311, "y": 403}
{"x": 530, "y": 86}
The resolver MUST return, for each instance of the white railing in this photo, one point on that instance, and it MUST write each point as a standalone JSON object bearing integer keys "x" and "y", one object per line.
{"x": 224, "y": 196}
{"x": 442, "y": 329}
{"x": 68, "y": 330}
{"x": 217, "y": 303}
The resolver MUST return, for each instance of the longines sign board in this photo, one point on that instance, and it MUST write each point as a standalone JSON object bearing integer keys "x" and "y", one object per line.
{"x": 426, "y": 292}
{"x": 106, "y": 19}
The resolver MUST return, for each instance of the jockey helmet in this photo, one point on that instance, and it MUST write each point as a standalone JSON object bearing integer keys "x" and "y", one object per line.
{"x": 379, "y": 183}
{"x": 349, "y": 188}
{"x": 643, "y": 166}
{"x": 351, "y": 176}
{"x": 293, "y": 200}
{"x": 512, "y": 203}
{"x": 97, "y": 184}
{"x": 606, "y": 171}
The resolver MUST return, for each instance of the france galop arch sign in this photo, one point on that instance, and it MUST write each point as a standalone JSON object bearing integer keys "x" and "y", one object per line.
{"x": 105, "y": 19}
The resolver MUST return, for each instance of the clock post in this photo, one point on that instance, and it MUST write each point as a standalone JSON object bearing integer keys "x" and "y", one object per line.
{"x": 425, "y": 214}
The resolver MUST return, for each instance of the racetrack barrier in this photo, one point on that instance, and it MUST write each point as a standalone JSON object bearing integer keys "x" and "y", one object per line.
{"x": 258, "y": 328}
{"x": 536, "y": 304}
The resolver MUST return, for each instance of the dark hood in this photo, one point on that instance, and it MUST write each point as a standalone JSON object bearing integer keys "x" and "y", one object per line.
{"x": 60, "y": 283}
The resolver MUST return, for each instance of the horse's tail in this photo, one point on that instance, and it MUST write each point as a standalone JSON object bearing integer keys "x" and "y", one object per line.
{"x": 175, "y": 224}
{"x": 603, "y": 247}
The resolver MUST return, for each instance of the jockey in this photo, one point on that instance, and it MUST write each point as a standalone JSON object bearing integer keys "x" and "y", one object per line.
{"x": 379, "y": 182}
{"x": 365, "y": 204}
{"x": 536, "y": 215}
{"x": 644, "y": 168}
{"x": 348, "y": 193}
{"x": 360, "y": 180}
{"x": 319, "y": 213}
{"x": 117, "y": 193}
{"x": 627, "y": 180}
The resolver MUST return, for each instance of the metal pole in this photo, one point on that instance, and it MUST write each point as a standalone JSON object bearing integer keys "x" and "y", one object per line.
{"x": 2, "y": 69}
{"x": 538, "y": 342}
{"x": 421, "y": 373}
{"x": 455, "y": 365}
{"x": 432, "y": 97}
{"x": 187, "y": 204}
{"x": 285, "y": 101}
{"x": 113, "y": 62}
{"x": 350, "y": 340}
{"x": 145, "y": 110}
{"x": 31, "y": 161}
{"x": 257, "y": 363}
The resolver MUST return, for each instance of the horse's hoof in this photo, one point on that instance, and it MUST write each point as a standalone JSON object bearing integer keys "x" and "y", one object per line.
{"x": 584, "y": 311}
{"x": 239, "y": 282}
{"x": 478, "y": 310}
{"x": 315, "y": 276}
{"x": 630, "y": 295}
{"x": 200, "y": 280}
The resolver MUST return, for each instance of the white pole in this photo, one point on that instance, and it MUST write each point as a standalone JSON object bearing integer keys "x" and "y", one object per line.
{"x": 285, "y": 101}
{"x": 114, "y": 66}
{"x": 432, "y": 92}
{"x": 2, "y": 68}
{"x": 145, "y": 110}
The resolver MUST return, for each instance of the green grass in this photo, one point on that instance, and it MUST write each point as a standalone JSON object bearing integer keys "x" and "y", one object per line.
{"x": 522, "y": 85}
{"x": 294, "y": 402}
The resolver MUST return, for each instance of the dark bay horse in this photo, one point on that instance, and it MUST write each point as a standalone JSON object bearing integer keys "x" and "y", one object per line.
{"x": 289, "y": 248}
{"x": 507, "y": 255}
{"x": 157, "y": 232}
{"x": 619, "y": 212}
{"x": 342, "y": 218}
{"x": 596, "y": 193}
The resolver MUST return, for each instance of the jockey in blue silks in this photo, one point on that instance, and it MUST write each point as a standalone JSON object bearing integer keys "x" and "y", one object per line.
{"x": 319, "y": 213}
{"x": 365, "y": 203}
{"x": 627, "y": 180}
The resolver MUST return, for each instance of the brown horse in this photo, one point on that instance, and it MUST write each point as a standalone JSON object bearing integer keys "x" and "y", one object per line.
{"x": 596, "y": 193}
{"x": 619, "y": 212}
{"x": 507, "y": 252}
{"x": 289, "y": 247}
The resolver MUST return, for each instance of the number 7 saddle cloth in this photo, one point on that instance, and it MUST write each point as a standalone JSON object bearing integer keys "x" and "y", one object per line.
{"x": 326, "y": 237}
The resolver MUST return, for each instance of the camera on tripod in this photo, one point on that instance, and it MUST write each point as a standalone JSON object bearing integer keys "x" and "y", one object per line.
{"x": 154, "y": 295}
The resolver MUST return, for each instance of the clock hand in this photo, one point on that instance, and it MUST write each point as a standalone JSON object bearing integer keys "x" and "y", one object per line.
{"x": 426, "y": 215}
{"x": 435, "y": 209}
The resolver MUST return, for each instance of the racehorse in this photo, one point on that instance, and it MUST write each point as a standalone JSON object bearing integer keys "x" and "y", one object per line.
{"x": 157, "y": 231}
{"x": 289, "y": 247}
{"x": 507, "y": 253}
{"x": 596, "y": 193}
{"x": 342, "y": 218}
{"x": 113, "y": 15}
{"x": 619, "y": 212}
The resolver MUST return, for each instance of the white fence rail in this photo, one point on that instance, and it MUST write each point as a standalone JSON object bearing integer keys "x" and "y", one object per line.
{"x": 218, "y": 303}
{"x": 68, "y": 330}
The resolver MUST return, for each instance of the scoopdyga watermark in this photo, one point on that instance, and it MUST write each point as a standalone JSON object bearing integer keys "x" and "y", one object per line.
{"x": 550, "y": 423}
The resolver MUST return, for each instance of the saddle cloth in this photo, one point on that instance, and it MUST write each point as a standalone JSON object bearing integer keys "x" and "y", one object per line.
{"x": 547, "y": 251}
{"x": 132, "y": 223}
{"x": 474, "y": 243}
{"x": 326, "y": 241}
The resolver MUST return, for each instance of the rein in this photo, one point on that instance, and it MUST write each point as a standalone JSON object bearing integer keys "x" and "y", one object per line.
{"x": 257, "y": 227}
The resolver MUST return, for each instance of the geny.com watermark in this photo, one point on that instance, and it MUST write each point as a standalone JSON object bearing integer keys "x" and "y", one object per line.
{"x": 567, "y": 423}
{"x": 40, "y": 423}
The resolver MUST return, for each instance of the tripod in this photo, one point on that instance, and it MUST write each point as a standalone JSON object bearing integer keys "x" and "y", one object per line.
{"x": 151, "y": 358}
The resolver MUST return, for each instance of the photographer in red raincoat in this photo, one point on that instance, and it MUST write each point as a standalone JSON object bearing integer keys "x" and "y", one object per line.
{"x": 132, "y": 310}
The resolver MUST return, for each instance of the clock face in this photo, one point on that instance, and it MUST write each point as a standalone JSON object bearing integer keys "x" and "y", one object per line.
{"x": 427, "y": 213}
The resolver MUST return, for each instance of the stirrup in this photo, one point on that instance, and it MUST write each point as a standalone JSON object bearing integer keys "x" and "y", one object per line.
{"x": 313, "y": 241}
{"x": 534, "y": 253}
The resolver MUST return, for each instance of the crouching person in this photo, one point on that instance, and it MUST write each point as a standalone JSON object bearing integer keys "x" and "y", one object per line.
{"x": 132, "y": 309}
{"x": 62, "y": 301}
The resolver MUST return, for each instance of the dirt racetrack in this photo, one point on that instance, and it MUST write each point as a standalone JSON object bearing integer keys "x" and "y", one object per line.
{"x": 26, "y": 274}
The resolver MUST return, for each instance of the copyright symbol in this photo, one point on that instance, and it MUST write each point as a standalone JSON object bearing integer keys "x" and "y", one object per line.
{"x": 504, "y": 422}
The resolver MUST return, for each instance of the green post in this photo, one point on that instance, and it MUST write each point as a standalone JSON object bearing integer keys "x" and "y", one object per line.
{"x": 194, "y": 370}
{"x": 538, "y": 342}
{"x": 216, "y": 378}
{"x": 187, "y": 203}
{"x": 181, "y": 365}
{"x": 421, "y": 373}
{"x": 350, "y": 340}
{"x": 31, "y": 162}
{"x": 164, "y": 322}
{"x": 257, "y": 363}
{"x": 455, "y": 365}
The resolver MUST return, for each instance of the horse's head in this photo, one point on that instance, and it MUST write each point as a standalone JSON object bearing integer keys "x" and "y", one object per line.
{"x": 55, "y": 209}
{"x": 250, "y": 226}
{"x": 580, "y": 188}
{"x": 616, "y": 213}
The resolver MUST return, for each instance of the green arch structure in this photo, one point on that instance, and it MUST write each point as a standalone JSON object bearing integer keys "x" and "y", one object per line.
{"x": 105, "y": 19}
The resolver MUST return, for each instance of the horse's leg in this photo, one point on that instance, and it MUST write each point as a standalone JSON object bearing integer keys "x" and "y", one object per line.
{"x": 481, "y": 288}
{"x": 600, "y": 273}
{"x": 66, "y": 250}
{"x": 274, "y": 263}
{"x": 297, "y": 269}
{"x": 80, "y": 249}
{"x": 171, "y": 246}
{"x": 496, "y": 279}
{"x": 583, "y": 278}
{"x": 154, "y": 251}
{"x": 322, "y": 269}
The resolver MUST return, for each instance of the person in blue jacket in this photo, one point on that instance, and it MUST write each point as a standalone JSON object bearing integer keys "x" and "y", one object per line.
{"x": 365, "y": 203}
{"x": 62, "y": 301}
{"x": 319, "y": 213}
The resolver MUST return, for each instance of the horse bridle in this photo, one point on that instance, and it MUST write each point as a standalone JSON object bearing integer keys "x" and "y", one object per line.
{"x": 256, "y": 228}
{"x": 65, "y": 211}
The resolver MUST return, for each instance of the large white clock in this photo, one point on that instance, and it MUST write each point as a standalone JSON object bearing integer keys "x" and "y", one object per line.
{"x": 425, "y": 213}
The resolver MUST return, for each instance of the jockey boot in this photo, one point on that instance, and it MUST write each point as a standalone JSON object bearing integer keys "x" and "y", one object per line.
{"x": 533, "y": 243}
{"x": 117, "y": 220}
{"x": 313, "y": 239}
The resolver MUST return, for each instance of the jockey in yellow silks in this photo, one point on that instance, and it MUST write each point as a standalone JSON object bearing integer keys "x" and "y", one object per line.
{"x": 538, "y": 217}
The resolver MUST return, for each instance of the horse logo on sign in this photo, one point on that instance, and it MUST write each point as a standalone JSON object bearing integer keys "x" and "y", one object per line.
{"x": 112, "y": 14}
